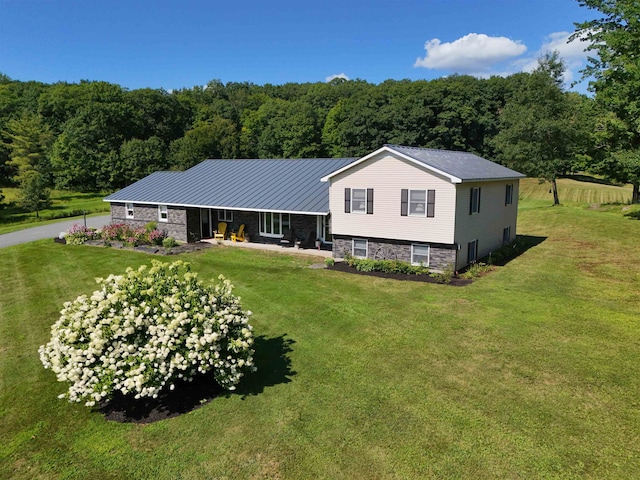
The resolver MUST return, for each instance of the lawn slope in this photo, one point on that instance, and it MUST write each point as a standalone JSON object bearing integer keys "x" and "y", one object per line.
{"x": 530, "y": 372}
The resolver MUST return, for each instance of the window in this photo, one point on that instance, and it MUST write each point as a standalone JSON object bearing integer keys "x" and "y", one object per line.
{"x": 163, "y": 213}
{"x": 358, "y": 200}
{"x": 417, "y": 203}
{"x": 359, "y": 247}
{"x": 420, "y": 255}
{"x": 273, "y": 224}
{"x": 472, "y": 251}
{"x": 474, "y": 205}
{"x": 506, "y": 235}
{"x": 508, "y": 196}
{"x": 225, "y": 216}
{"x": 129, "y": 209}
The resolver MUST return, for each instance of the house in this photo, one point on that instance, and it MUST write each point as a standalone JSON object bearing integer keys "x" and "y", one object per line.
{"x": 434, "y": 207}
{"x": 439, "y": 208}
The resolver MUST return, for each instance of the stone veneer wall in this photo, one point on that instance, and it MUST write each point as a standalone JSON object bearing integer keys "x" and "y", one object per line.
{"x": 441, "y": 257}
{"x": 176, "y": 225}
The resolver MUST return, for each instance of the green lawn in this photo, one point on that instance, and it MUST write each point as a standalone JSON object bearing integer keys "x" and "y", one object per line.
{"x": 577, "y": 189}
{"x": 63, "y": 204}
{"x": 530, "y": 372}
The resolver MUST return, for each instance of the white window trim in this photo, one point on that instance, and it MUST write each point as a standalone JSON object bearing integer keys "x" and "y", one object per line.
{"x": 163, "y": 209}
{"x": 126, "y": 209}
{"x": 509, "y": 199}
{"x": 428, "y": 254}
{"x": 364, "y": 211}
{"x": 225, "y": 216}
{"x": 283, "y": 216}
{"x": 424, "y": 206}
{"x": 473, "y": 192}
{"x": 475, "y": 251}
{"x": 507, "y": 229}
{"x": 366, "y": 247}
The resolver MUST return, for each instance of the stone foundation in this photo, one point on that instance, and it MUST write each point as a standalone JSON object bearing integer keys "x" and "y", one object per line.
{"x": 441, "y": 256}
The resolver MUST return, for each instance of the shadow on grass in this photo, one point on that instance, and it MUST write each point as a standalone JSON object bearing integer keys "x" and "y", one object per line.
{"x": 271, "y": 359}
{"x": 589, "y": 179}
{"x": 509, "y": 252}
{"x": 633, "y": 215}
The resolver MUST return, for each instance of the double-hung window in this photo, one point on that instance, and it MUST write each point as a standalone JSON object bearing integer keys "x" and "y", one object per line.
{"x": 274, "y": 224}
{"x": 420, "y": 255}
{"x": 129, "y": 210}
{"x": 472, "y": 251}
{"x": 225, "y": 216}
{"x": 508, "y": 196}
{"x": 358, "y": 200}
{"x": 163, "y": 213}
{"x": 417, "y": 203}
{"x": 359, "y": 247}
{"x": 474, "y": 204}
{"x": 506, "y": 235}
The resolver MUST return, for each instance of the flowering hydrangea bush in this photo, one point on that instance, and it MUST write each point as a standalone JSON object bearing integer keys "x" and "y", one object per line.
{"x": 140, "y": 332}
{"x": 78, "y": 234}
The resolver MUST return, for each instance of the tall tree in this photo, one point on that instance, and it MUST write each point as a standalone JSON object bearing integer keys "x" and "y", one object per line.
{"x": 537, "y": 133}
{"x": 615, "y": 39}
{"x": 29, "y": 146}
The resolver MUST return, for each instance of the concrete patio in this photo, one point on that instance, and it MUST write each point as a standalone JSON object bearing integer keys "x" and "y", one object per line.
{"x": 273, "y": 248}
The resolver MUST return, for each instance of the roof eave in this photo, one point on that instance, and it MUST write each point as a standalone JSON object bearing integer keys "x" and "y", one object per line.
{"x": 221, "y": 207}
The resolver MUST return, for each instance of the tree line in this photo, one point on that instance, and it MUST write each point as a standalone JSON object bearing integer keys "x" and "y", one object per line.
{"x": 99, "y": 136}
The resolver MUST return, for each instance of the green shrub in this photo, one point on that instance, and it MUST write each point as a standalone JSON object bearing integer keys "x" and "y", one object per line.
{"x": 169, "y": 242}
{"x": 151, "y": 226}
{"x": 387, "y": 266}
{"x": 142, "y": 331}
{"x": 329, "y": 262}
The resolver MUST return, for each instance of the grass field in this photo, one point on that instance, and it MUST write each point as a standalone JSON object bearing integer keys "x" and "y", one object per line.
{"x": 575, "y": 190}
{"x": 63, "y": 205}
{"x": 530, "y": 372}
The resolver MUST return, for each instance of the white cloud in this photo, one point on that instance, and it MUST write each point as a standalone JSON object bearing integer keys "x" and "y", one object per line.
{"x": 337, "y": 75}
{"x": 483, "y": 56}
{"x": 475, "y": 52}
{"x": 571, "y": 52}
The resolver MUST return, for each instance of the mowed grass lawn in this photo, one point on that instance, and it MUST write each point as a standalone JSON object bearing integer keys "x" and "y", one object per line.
{"x": 63, "y": 204}
{"x": 530, "y": 372}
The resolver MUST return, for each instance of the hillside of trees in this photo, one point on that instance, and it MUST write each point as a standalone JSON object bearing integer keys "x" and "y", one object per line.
{"x": 98, "y": 136}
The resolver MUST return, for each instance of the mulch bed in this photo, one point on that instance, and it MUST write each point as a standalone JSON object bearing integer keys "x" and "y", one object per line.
{"x": 182, "y": 248}
{"x": 456, "y": 282}
{"x": 186, "y": 397}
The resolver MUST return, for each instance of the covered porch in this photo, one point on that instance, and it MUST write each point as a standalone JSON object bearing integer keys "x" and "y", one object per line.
{"x": 281, "y": 229}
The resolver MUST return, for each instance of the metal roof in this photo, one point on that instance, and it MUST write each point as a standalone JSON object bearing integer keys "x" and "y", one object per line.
{"x": 281, "y": 185}
{"x": 457, "y": 166}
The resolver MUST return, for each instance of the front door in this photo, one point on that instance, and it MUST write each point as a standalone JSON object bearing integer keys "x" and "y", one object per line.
{"x": 205, "y": 223}
{"x": 324, "y": 228}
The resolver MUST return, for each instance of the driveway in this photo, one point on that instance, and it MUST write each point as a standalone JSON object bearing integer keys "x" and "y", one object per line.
{"x": 49, "y": 231}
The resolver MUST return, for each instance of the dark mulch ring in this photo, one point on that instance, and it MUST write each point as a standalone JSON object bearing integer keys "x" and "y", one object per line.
{"x": 186, "y": 397}
{"x": 157, "y": 250}
{"x": 456, "y": 282}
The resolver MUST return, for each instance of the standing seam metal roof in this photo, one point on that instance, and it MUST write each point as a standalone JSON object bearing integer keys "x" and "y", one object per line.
{"x": 284, "y": 185}
{"x": 463, "y": 165}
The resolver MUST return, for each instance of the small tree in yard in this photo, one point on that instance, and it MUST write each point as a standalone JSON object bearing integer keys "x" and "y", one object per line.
{"x": 141, "y": 332}
{"x": 34, "y": 194}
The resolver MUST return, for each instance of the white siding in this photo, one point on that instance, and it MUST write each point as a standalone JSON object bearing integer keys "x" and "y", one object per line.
{"x": 388, "y": 175}
{"x": 487, "y": 225}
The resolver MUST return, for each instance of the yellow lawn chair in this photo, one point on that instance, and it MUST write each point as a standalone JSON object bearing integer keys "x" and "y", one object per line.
{"x": 239, "y": 236}
{"x": 221, "y": 232}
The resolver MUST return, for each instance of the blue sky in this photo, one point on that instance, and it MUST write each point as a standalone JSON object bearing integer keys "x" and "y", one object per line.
{"x": 175, "y": 44}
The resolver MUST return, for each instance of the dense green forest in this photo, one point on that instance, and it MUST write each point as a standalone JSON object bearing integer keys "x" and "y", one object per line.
{"x": 98, "y": 136}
